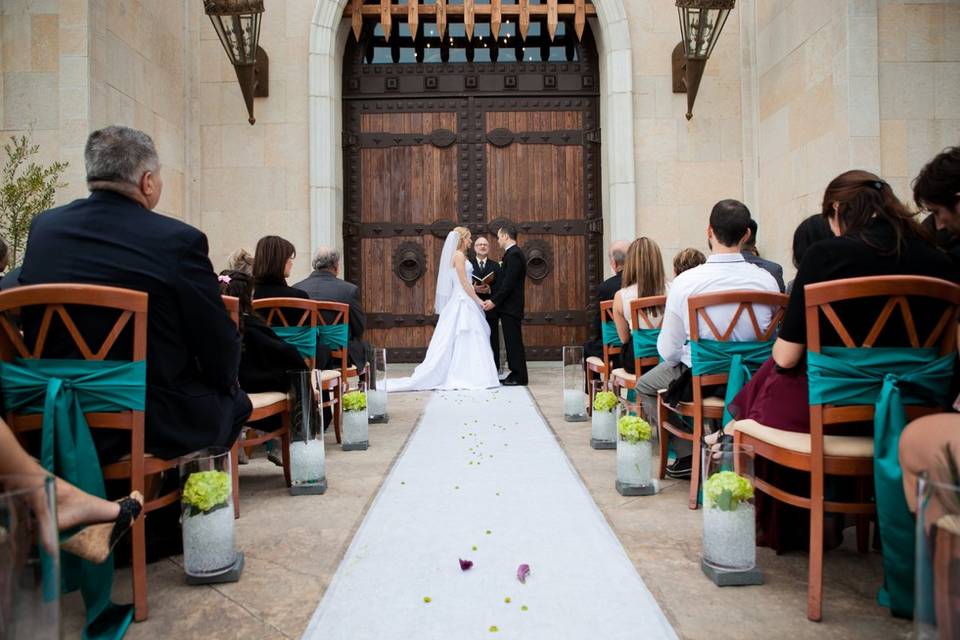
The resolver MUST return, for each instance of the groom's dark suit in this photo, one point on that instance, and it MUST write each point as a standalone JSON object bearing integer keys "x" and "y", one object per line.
{"x": 508, "y": 300}
{"x": 489, "y": 266}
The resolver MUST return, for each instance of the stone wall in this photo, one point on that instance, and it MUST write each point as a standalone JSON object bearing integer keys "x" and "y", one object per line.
{"x": 43, "y": 81}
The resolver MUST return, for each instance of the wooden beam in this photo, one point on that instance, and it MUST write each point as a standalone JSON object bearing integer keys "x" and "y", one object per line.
{"x": 552, "y": 18}
{"x": 386, "y": 20}
{"x": 441, "y": 12}
{"x": 580, "y": 19}
{"x": 524, "y": 18}
{"x": 495, "y": 14}
{"x": 357, "y": 19}
{"x": 506, "y": 10}
{"x": 468, "y": 19}
{"x": 413, "y": 19}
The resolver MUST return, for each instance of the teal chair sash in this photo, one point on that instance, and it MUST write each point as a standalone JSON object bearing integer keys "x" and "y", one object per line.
{"x": 645, "y": 343}
{"x": 304, "y": 339}
{"x": 610, "y": 336}
{"x": 335, "y": 336}
{"x": 887, "y": 378}
{"x": 63, "y": 390}
{"x": 739, "y": 359}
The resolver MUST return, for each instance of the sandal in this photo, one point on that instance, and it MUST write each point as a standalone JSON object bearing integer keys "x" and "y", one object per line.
{"x": 95, "y": 542}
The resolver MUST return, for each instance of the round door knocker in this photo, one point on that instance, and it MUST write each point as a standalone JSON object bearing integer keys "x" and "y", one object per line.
{"x": 539, "y": 259}
{"x": 409, "y": 262}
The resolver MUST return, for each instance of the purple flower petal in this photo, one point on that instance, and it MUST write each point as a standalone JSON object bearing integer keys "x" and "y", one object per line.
{"x": 465, "y": 564}
{"x": 522, "y": 572}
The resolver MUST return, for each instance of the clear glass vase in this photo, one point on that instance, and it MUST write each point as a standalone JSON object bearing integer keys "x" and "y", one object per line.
{"x": 603, "y": 424}
{"x": 308, "y": 472}
{"x": 936, "y": 613}
{"x": 574, "y": 382}
{"x": 377, "y": 394}
{"x": 206, "y": 500}
{"x": 729, "y": 529}
{"x": 29, "y": 558}
{"x": 355, "y": 436}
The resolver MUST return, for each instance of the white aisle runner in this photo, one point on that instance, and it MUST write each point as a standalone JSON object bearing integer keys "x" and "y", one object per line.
{"x": 483, "y": 470}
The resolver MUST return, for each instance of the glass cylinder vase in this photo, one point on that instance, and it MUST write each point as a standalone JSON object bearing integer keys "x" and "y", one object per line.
{"x": 634, "y": 456}
{"x": 206, "y": 500}
{"x": 29, "y": 558}
{"x": 603, "y": 420}
{"x": 308, "y": 474}
{"x": 377, "y": 395}
{"x": 936, "y": 612}
{"x": 355, "y": 436}
{"x": 729, "y": 529}
{"x": 574, "y": 383}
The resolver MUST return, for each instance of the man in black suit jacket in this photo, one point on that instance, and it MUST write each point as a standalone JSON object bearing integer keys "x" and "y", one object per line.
{"x": 114, "y": 238}
{"x": 607, "y": 289}
{"x": 751, "y": 255}
{"x": 323, "y": 284}
{"x": 482, "y": 267}
{"x": 508, "y": 300}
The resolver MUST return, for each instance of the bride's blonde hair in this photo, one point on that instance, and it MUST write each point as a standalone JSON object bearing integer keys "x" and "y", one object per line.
{"x": 464, "y": 233}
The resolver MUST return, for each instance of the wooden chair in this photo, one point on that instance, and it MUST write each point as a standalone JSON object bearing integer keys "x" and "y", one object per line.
{"x": 645, "y": 313}
{"x": 329, "y": 314}
{"x": 600, "y": 367}
{"x": 821, "y": 455}
{"x": 59, "y": 302}
{"x": 277, "y": 313}
{"x": 712, "y": 407}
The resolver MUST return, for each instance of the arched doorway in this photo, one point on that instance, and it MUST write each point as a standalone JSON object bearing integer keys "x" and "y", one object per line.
{"x": 474, "y": 132}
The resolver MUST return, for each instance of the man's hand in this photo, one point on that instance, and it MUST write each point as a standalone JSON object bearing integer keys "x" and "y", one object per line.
{"x": 482, "y": 288}
{"x": 488, "y": 305}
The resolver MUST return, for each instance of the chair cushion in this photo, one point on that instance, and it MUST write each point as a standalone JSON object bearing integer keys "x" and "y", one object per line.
{"x": 710, "y": 401}
{"x": 329, "y": 374}
{"x": 623, "y": 374}
{"x": 595, "y": 361}
{"x": 266, "y": 398}
{"x": 840, "y": 446}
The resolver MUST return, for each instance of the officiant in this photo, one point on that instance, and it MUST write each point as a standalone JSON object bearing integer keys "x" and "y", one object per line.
{"x": 485, "y": 275}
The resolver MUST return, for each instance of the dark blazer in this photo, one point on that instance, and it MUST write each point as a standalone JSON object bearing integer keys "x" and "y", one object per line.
{"x": 193, "y": 347}
{"x": 490, "y": 266}
{"x": 281, "y": 290}
{"x": 768, "y": 265}
{"x": 607, "y": 289}
{"x": 266, "y": 358}
{"x": 323, "y": 285}
{"x": 508, "y": 296}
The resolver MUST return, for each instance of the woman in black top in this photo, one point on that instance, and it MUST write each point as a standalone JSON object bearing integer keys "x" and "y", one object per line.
{"x": 272, "y": 262}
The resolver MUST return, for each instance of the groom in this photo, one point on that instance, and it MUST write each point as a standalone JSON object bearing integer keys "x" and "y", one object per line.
{"x": 507, "y": 299}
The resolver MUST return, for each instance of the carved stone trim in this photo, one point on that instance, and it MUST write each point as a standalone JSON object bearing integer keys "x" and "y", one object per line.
{"x": 409, "y": 262}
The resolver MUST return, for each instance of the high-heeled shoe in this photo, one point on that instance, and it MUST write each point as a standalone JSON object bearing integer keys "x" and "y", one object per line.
{"x": 95, "y": 542}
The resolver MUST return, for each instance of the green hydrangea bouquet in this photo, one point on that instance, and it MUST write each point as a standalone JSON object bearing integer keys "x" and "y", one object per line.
{"x": 604, "y": 402}
{"x": 354, "y": 401}
{"x": 634, "y": 429}
{"x": 206, "y": 491}
{"x": 726, "y": 490}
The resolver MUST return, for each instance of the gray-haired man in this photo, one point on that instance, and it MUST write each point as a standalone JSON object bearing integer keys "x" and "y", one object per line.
{"x": 323, "y": 284}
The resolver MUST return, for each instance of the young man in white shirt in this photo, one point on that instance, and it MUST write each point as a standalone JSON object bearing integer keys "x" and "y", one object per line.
{"x": 725, "y": 270}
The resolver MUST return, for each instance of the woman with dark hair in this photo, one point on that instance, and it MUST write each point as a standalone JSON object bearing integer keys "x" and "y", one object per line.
{"x": 813, "y": 229}
{"x": 874, "y": 235}
{"x": 272, "y": 262}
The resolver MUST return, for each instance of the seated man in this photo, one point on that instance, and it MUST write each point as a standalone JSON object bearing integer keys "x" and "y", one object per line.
{"x": 114, "y": 238}
{"x": 323, "y": 284}
{"x": 751, "y": 255}
{"x": 725, "y": 270}
{"x": 607, "y": 289}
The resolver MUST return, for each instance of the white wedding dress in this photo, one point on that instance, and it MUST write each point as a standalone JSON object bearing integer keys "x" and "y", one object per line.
{"x": 459, "y": 355}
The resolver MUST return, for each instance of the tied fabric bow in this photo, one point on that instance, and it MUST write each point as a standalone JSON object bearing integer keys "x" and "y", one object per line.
{"x": 224, "y": 279}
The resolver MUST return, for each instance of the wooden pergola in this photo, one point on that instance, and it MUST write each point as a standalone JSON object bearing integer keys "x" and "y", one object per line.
{"x": 469, "y": 13}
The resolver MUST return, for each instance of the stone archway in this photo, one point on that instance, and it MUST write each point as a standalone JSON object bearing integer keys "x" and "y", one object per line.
{"x": 328, "y": 34}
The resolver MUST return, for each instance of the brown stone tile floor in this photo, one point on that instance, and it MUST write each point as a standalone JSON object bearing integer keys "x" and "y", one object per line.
{"x": 293, "y": 547}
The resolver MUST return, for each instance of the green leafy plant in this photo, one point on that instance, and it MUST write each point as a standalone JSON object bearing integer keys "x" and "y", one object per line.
{"x": 605, "y": 401}
{"x": 634, "y": 429}
{"x": 726, "y": 490}
{"x": 206, "y": 491}
{"x": 354, "y": 401}
{"x": 27, "y": 188}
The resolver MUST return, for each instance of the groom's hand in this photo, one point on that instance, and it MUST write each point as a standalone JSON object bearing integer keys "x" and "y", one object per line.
{"x": 488, "y": 305}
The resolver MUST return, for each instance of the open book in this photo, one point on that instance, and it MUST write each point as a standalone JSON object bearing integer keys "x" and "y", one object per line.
{"x": 485, "y": 280}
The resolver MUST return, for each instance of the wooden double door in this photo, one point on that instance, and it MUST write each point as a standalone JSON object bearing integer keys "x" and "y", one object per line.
{"x": 417, "y": 166}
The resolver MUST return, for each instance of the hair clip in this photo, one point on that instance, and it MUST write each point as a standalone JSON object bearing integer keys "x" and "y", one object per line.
{"x": 224, "y": 279}
{"x": 878, "y": 185}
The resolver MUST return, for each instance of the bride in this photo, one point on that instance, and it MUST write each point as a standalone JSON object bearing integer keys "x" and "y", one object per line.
{"x": 459, "y": 355}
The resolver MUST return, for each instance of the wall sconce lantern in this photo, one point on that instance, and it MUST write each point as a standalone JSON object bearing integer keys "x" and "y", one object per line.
{"x": 237, "y": 23}
{"x": 701, "y": 22}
